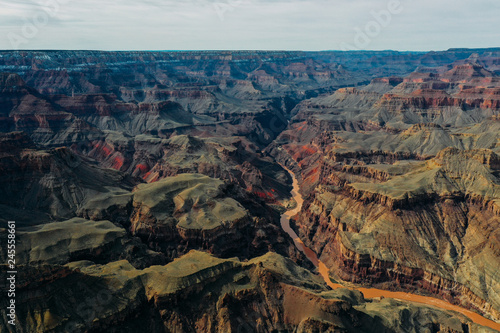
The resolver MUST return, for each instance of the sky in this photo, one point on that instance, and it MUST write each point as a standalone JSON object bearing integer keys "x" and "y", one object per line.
{"x": 309, "y": 25}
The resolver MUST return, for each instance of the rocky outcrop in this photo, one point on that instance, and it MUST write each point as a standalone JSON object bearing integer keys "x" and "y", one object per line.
{"x": 464, "y": 95}
{"x": 113, "y": 162}
{"x": 200, "y": 293}
{"x": 52, "y": 184}
{"x": 192, "y": 211}
{"x": 62, "y": 242}
{"x": 428, "y": 229}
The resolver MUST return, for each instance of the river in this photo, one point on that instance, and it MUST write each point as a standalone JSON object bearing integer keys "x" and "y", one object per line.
{"x": 368, "y": 292}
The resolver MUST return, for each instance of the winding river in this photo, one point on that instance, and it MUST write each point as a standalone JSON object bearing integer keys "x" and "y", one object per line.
{"x": 368, "y": 292}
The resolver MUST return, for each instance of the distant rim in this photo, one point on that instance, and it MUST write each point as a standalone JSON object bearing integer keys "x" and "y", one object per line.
{"x": 258, "y": 51}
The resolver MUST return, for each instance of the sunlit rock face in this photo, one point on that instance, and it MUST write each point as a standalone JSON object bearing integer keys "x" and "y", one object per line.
{"x": 148, "y": 188}
{"x": 401, "y": 177}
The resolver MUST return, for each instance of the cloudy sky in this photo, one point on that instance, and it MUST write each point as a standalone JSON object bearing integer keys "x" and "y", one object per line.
{"x": 249, "y": 24}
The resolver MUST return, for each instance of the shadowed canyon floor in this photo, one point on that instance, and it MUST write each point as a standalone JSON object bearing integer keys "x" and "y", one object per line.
{"x": 204, "y": 191}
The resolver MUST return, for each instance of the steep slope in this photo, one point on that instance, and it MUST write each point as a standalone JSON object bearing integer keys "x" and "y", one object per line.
{"x": 464, "y": 95}
{"x": 50, "y": 184}
{"x": 120, "y": 167}
{"x": 402, "y": 190}
{"x": 192, "y": 211}
{"x": 421, "y": 226}
{"x": 201, "y": 293}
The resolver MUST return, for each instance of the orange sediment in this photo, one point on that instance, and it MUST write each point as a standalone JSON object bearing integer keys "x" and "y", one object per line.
{"x": 369, "y": 292}
{"x": 475, "y": 317}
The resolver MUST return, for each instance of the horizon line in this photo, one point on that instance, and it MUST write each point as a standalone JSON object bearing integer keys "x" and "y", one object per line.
{"x": 254, "y": 50}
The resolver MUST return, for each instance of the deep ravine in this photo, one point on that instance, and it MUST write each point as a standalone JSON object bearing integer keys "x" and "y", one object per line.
{"x": 368, "y": 292}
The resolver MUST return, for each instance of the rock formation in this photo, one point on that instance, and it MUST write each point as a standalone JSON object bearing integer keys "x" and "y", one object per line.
{"x": 147, "y": 189}
{"x": 198, "y": 292}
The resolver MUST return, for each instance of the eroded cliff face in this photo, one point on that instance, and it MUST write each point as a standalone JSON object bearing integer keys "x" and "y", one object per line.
{"x": 394, "y": 221}
{"x": 120, "y": 167}
{"x": 45, "y": 190}
{"x": 50, "y": 184}
{"x": 113, "y": 106}
{"x": 463, "y": 95}
{"x": 191, "y": 211}
{"x": 400, "y": 179}
{"x": 150, "y": 137}
{"x": 201, "y": 293}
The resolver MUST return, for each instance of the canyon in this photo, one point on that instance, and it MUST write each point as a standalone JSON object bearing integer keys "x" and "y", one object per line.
{"x": 252, "y": 191}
